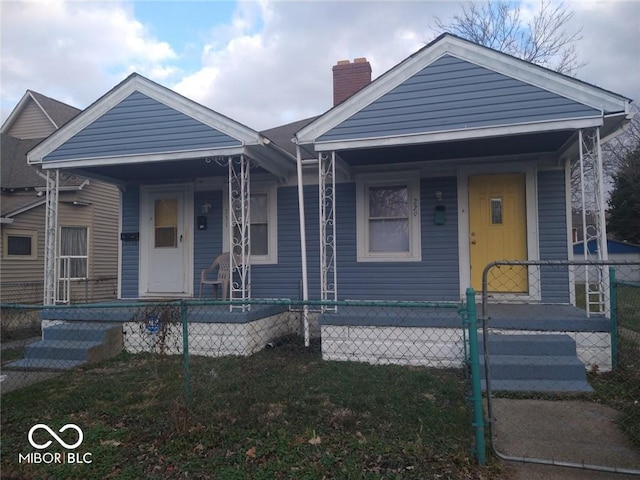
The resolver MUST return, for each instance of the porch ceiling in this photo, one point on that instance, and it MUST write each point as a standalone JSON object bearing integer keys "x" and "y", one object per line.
{"x": 177, "y": 170}
{"x": 540, "y": 143}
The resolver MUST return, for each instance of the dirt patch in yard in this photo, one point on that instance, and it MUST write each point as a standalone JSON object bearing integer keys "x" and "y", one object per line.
{"x": 564, "y": 431}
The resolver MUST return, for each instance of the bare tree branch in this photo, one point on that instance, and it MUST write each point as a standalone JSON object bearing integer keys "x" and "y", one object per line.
{"x": 544, "y": 41}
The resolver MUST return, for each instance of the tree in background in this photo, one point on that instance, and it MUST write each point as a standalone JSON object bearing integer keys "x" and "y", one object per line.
{"x": 624, "y": 203}
{"x": 616, "y": 150}
{"x": 544, "y": 40}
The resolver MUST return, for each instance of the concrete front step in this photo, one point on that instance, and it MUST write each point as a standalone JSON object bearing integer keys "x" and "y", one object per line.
{"x": 44, "y": 364}
{"x": 527, "y": 367}
{"x": 547, "y": 386}
{"x": 548, "y": 344}
{"x": 61, "y": 350}
{"x": 71, "y": 344}
{"x": 80, "y": 331}
{"x": 540, "y": 363}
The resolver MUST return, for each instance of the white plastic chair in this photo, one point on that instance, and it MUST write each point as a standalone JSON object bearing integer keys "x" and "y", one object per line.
{"x": 221, "y": 264}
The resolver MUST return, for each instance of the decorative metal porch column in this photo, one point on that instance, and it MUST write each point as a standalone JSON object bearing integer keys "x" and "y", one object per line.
{"x": 592, "y": 201}
{"x": 50, "y": 237}
{"x": 327, "y": 198}
{"x": 239, "y": 230}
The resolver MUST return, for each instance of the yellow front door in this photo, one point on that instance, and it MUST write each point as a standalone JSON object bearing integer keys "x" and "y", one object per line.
{"x": 498, "y": 231}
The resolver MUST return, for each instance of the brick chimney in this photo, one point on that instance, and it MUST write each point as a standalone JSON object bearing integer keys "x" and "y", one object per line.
{"x": 349, "y": 77}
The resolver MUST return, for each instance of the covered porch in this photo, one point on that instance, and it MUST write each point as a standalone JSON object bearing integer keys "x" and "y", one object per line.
{"x": 185, "y": 173}
{"x": 457, "y": 157}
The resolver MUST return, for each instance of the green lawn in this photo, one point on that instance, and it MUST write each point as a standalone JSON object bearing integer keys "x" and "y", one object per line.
{"x": 629, "y": 307}
{"x": 628, "y": 304}
{"x": 282, "y": 413}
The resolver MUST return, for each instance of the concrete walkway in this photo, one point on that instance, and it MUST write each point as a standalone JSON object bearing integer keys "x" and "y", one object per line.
{"x": 566, "y": 431}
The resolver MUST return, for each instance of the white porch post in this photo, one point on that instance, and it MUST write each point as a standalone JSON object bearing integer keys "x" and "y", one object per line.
{"x": 303, "y": 248}
{"x": 327, "y": 199}
{"x": 592, "y": 201}
{"x": 50, "y": 237}
{"x": 239, "y": 230}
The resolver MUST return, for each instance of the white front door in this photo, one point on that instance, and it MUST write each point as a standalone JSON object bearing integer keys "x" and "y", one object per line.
{"x": 165, "y": 241}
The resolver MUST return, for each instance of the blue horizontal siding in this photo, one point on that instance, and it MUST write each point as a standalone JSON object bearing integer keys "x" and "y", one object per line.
{"x": 207, "y": 244}
{"x": 140, "y": 125}
{"x": 552, "y": 223}
{"x": 130, "y": 250}
{"x": 284, "y": 279}
{"x": 436, "y": 277}
{"x": 454, "y": 94}
{"x": 433, "y": 278}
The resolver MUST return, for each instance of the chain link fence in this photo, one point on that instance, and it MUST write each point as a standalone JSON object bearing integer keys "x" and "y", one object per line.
{"x": 378, "y": 388}
{"x": 385, "y": 388}
{"x": 23, "y": 323}
{"x": 79, "y": 291}
{"x": 561, "y": 358}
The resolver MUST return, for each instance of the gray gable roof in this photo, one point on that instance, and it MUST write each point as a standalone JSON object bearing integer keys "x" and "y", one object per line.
{"x": 283, "y": 134}
{"x": 15, "y": 173}
{"x": 56, "y": 113}
{"x": 60, "y": 113}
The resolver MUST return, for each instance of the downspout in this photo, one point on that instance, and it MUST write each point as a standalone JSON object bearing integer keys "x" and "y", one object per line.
{"x": 303, "y": 248}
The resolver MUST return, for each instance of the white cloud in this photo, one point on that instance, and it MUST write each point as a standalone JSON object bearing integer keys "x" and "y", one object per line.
{"x": 75, "y": 51}
{"x": 271, "y": 63}
{"x": 610, "y": 46}
{"x": 282, "y": 71}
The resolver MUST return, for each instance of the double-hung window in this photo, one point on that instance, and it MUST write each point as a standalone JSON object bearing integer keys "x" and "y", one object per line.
{"x": 263, "y": 222}
{"x": 388, "y": 217}
{"x": 73, "y": 252}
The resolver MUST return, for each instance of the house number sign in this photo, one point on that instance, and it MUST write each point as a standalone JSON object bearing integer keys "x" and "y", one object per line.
{"x": 152, "y": 324}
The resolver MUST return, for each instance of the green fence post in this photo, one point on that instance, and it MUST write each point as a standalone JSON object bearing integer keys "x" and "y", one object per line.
{"x": 476, "y": 386}
{"x": 184, "y": 314}
{"x": 613, "y": 303}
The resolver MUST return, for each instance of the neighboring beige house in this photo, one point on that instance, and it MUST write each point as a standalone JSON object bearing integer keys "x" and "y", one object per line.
{"x": 87, "y": 250}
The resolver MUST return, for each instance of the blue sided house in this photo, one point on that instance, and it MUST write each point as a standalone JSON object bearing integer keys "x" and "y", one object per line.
{"x": 404, "y": 190}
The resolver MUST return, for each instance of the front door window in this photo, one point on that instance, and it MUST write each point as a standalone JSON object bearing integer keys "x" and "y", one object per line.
{"x": 166, "y": 223}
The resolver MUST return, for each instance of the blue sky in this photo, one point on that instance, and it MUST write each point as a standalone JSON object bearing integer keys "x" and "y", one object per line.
{"x": 263, "y": 63}
{"x": 196, "y": 20}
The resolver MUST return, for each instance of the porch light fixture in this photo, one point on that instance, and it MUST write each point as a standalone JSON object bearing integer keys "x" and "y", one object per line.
{"x": 206, "y": 208}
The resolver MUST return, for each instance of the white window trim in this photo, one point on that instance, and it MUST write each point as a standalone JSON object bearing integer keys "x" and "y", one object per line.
{"x": 412, "y": 180}
{"x": 87, "y": 256}
{"x": 272, "y": 223}
{"x": 33, "y": 234}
